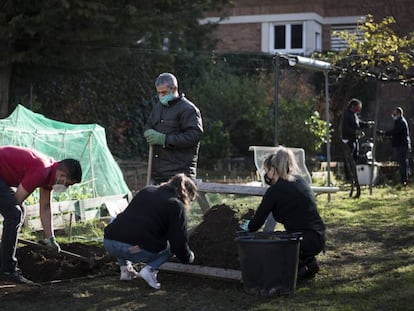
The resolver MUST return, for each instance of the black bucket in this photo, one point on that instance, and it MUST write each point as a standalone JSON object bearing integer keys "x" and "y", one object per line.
{"x": 269, "y": 262}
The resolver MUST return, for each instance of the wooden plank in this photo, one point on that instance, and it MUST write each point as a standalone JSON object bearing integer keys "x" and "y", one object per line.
{"x": 213, "y": 272}
{"x": 61, "y": 207}
{"x": 249, "y": 190}
{"x": 97, "y": 202}
{"x": 86, "y": 209}
{"x": 116, "y": 206}
{"x": 90, "y": 208}
{"x": 60, "y": 221}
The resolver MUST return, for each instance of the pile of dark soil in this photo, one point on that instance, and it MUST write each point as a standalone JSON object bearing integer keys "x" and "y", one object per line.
{"x": 212, "y": 242}
{"x": 213, "y": 239}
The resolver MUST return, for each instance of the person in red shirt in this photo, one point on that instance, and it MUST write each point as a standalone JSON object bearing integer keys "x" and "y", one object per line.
{"x": 25, "y": 170}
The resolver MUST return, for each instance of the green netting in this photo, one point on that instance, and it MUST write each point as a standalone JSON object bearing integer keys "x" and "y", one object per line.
{"x": 84, "y": 142}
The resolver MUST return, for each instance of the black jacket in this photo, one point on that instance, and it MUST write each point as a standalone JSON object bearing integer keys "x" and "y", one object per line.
{"x": 400, "y": 134}
{"x": 292, "y": 204}
{"x": 153, "y": 217}
{"x": 350, "y": 124}
{"x": 181, "y": 122}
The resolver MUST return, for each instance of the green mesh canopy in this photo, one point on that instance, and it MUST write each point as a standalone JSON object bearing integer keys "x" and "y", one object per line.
{"x": 84, "y": 142}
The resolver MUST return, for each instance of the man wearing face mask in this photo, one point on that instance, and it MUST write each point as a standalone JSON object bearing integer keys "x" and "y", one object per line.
{"x": 401, "y": 142}
{"x": 174, "y": 129}
{"x": 22, "y": 170}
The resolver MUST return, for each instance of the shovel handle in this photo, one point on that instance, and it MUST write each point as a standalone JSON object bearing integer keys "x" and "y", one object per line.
{"x": 150, "y": 154}
{"x": 28, "y": 242}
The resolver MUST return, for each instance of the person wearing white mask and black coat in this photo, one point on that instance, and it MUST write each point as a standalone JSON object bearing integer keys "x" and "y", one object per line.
{"x": 401, "y": 143}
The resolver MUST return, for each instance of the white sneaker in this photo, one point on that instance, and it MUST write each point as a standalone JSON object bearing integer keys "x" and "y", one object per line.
{"x": 150, "y": 276}
{"x": 128, "y": 272}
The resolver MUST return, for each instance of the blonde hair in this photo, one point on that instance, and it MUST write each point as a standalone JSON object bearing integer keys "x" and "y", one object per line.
{"x": 283, "y": 162}
{"x": 184, "y": 187}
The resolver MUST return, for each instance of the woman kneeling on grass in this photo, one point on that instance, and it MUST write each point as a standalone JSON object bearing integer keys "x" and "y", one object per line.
{"x": 292, "y": 203}
{"x": 152, "y": 228}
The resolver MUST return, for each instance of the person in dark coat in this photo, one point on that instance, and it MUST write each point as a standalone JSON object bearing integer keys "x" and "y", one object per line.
{"x": 401, "y": 143}
{"x": 352, "y": 131}
{"x": 292, "y": 203}
{"x": 152, "y": 228}
{"x": 174, "y": 129}
{"x": 352, "y": 126}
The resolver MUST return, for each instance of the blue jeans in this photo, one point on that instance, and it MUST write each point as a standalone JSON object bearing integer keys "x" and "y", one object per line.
{"x": 13, "y": 215}
{"x": 120, "y": 251}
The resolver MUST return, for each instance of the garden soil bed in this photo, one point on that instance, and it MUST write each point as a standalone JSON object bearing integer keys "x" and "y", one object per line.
{"x": 212, "y": 242}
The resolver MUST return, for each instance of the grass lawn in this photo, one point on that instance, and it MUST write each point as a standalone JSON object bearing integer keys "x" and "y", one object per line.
{"x": 368, "y": 265}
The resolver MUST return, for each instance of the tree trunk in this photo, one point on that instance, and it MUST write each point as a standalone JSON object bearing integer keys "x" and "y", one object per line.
{"x": 5, "y": 74}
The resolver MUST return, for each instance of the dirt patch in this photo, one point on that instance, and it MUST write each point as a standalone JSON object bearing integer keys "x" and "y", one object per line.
{"x": 212, "y": 241}
{"x": 41, "y": 265}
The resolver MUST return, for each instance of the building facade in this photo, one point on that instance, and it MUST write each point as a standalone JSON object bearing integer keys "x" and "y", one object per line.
{"x": 305, "y": 26}
{"x": 298, "y": 26}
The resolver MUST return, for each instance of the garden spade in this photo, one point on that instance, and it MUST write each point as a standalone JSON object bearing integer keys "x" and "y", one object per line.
{"x": 90, "y": 261}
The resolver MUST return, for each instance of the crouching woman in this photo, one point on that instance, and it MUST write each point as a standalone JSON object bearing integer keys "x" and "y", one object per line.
{"x": 152, "y": 229}
{"x": 291, "y": 202}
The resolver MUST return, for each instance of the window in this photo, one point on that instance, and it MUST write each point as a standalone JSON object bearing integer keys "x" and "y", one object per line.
{"x": 296, "y": 39}
{"x": 338, "y": 43}
{"x": 288, "y": 37}
{"x": 280, "y": 37}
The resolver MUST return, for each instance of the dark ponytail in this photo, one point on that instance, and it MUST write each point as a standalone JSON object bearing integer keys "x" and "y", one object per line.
{"x": 185, "y": 188}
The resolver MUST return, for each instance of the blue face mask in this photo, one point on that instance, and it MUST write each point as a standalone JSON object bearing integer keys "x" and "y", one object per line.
{"x": 165, "y": 99}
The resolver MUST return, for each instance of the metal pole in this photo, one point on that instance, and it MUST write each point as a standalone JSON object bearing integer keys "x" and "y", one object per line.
{"x": 328, "y": 143}
{"x": 372, "y": 167}
{"x": 276, "y": 96}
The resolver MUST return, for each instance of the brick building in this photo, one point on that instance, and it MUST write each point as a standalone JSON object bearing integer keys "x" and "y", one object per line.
{"x": 300, "y": 27}
{"x": 303, "y": 27}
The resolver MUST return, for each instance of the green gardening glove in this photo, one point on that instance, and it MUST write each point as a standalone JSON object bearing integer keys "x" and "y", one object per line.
{"x": 154, "y": 138}
{"x": 51, "y": 242}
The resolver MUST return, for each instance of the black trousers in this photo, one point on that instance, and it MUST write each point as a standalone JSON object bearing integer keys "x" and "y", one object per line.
{"x": 400, "y": 155}
{"x": 311, "y": 245}
{"x": 13, "y": 217}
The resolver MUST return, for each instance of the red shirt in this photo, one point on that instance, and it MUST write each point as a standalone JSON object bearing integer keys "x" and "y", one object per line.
{"x": 32, "y": 169}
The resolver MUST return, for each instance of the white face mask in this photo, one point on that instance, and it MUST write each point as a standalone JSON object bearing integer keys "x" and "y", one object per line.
{"x": 59, "y": 188}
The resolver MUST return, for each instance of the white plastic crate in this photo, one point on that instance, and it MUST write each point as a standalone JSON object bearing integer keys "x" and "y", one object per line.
{"x": 262, "y": 152}
{"x": 364, "y": 171}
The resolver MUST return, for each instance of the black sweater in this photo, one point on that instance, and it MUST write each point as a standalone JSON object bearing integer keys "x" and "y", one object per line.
{"x": 153, "y": 217}
{"x": 292, "y": 204}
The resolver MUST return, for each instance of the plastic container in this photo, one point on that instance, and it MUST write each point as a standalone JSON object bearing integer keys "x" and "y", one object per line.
{"x": 363, "y": 173}
{"x": 262, "y": 152}
{"x": 269, "y": 262}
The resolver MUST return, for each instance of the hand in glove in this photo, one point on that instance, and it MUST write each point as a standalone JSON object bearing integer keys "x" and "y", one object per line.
{"x": 245, "y": 225}
{"x": 154, "y": 138}
{"x": 371, "y": 123}
{"x": 51, "y": 243}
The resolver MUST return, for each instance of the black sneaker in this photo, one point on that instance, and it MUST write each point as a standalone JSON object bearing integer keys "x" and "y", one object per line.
{"x": 17, "y": 277}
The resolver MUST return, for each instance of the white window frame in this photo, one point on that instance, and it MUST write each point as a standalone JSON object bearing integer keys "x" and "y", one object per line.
{"x": 288, "y": 37}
